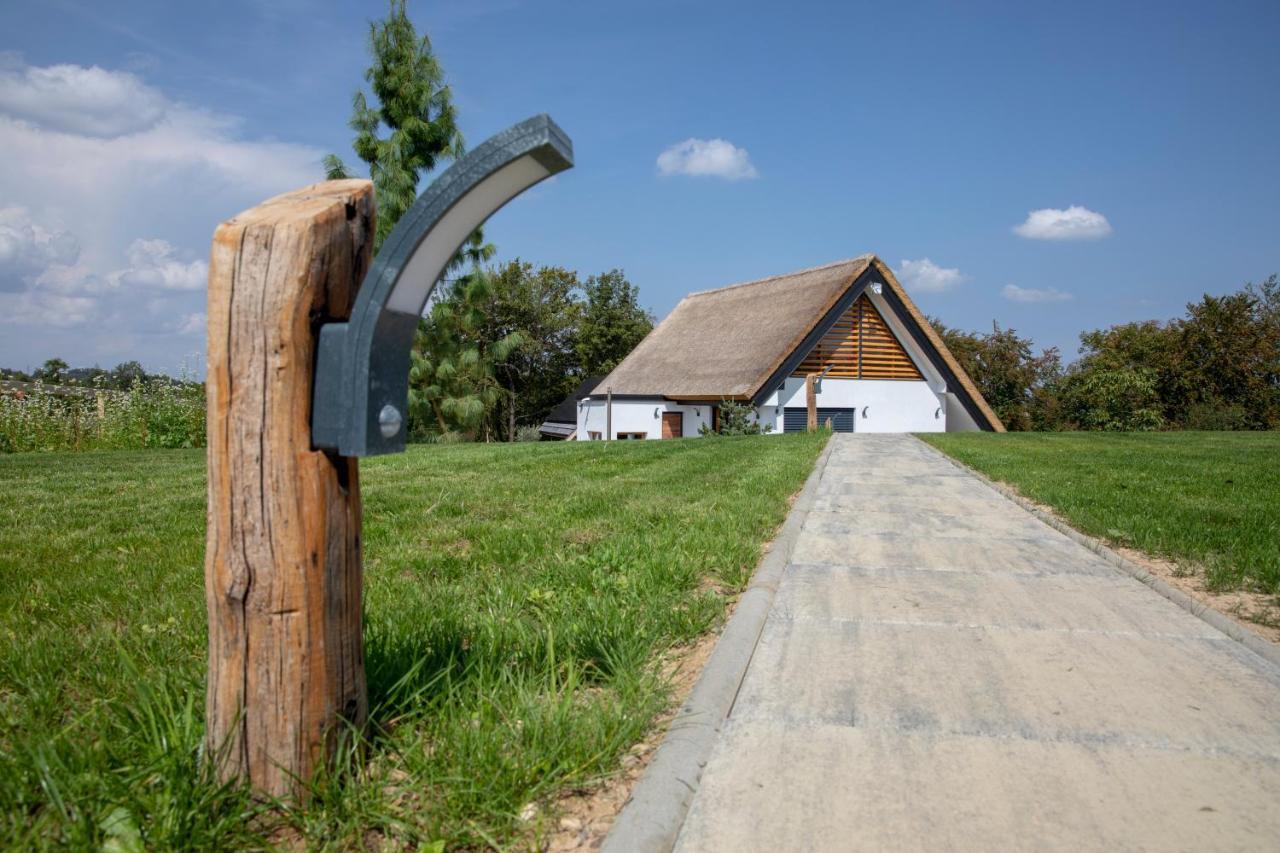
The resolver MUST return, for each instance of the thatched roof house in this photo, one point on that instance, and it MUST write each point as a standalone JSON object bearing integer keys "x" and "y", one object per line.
{"x": 850, "y": 321}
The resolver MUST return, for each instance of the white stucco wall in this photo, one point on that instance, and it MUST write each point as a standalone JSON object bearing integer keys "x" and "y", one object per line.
{"x": 890, "y": 405}
{"x": 638, "y": 416}
{"x": 959, "y": 420}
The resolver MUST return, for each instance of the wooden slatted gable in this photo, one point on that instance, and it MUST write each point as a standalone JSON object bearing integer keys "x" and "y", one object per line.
{"x": 860, "y": 345}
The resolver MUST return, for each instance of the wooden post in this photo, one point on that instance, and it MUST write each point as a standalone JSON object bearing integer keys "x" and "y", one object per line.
{"x": 811, "y": 401}
{"x": 283, "y": 550}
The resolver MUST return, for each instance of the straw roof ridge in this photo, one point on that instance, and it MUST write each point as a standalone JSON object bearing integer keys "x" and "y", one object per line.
{"x": 792, "y": 274}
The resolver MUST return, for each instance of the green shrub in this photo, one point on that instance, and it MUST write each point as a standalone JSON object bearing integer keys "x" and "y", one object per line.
{"x": 1117, "y": 400}
{"x": 736, "y": 419}
{"x": 528, "y": 433}
{"x": 1217, "y": 415}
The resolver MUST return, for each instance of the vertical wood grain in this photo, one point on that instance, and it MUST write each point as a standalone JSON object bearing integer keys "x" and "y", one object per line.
{"x": 811, "y": 402}
{"x": 283, "y": 548}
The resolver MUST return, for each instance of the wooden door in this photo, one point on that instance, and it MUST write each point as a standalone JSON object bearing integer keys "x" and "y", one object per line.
{"x": 673, "y": 424}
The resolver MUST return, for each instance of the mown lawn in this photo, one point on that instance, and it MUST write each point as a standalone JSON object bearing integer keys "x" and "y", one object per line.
{"x": 1209, "y": 500}
{"x": 518, "y": 598}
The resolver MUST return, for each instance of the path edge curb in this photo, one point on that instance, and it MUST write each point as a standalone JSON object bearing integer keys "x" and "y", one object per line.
{"x": 1200, "y": 609}
{"x": 652, "y": 817}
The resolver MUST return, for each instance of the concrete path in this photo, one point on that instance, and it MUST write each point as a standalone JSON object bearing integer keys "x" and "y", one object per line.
{"x": 942, "y": 670}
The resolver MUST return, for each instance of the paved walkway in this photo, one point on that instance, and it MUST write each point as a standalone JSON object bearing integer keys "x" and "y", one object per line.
{"x": 942, "y": 670}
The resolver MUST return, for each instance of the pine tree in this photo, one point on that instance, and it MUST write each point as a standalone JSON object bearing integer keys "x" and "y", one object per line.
{"x": 411, "y": 127}
{"x": 453, "y": 379}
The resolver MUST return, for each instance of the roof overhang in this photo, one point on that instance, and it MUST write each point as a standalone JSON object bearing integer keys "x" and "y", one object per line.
{"x": 558, "y": 429}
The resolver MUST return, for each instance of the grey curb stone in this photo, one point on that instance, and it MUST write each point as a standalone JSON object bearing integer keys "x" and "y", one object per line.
{"x": 1267, "y": 650}
{"x": 654, "y": 813}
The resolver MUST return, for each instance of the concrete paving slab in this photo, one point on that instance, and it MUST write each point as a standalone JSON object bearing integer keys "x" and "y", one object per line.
{"x": 890, "y": 551}
{"x": 866, "y": 502}
{"x": 930, "y": 524}
{"x": 1052, "y": 602}
{"x": 843, "y": 788}
{"x": 1088, "y": 686}
{"x": 955, "y": 488}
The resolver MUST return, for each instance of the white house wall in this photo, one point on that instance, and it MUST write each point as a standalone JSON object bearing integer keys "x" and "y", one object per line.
{"x": 958, "y": 418}
{"x": 891, "y": 405}
{"x": 638, "y": 416}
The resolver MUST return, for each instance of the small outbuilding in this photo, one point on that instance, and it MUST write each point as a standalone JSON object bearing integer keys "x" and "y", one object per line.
{"x": 843, "y": 339}
{"x": 562, "y": 423}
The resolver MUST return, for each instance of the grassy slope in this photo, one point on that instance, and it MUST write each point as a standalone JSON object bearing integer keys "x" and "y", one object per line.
{"x": 517, "y": 599}
{"x": 1206, "y": 498}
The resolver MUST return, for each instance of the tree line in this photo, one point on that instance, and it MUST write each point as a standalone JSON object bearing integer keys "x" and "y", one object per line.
{"x": 1216, "y": 367}
{"x": 55, "y": 371}
{"x": 506, "y": 343}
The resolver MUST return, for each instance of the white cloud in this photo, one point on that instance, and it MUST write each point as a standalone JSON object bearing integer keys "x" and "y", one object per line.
{"x": 924, "y": 276}
{"x": 155, "y": 264}
{"x": 74, "y": 99}
{"x": 1028, "y": 294}
{"x": 1074, "y": 223}
{"x": 707, "y": 157}
{"x": 193, "y": 324}
{"x": 44, "y": 308}
{"x": 112, "y": 192}
{"x": 28, "y": 248}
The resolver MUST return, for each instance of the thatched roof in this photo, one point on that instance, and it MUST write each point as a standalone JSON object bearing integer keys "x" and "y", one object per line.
{"x": 727, "y": 343}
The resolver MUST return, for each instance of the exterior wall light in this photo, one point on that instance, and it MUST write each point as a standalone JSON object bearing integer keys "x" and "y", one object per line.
{"x": 864, "y": 413}
{"x": 656, "y": 409}
{"x": 361, "y": 386}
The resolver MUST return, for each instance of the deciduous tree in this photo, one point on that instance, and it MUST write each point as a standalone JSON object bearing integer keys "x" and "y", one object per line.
{"x": 1014, "y": 381}
{"x": 612, "y": 323}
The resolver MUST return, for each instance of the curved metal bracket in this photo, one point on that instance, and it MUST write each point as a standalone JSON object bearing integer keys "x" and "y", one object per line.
{"x": 361, "y": 388}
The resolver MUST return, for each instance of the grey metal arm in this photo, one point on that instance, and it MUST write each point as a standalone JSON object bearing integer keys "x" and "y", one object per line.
{"x": 361, "y": 390}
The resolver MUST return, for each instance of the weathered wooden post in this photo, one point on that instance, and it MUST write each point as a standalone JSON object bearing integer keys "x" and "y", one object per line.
{"x": 308, "y": 370}
{"x": 283, "y": 556}
{"x": 811, "y": 401}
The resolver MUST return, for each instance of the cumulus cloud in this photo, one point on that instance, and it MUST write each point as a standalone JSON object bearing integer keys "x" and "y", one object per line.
{"x": 1074, "y": 223}
{"x": 111, "y": 191}
{"x": 924, "y": 276}
{"x": 28, "y": 248}
{"x": 717, "y": 158}
{"x": 1029, "y": 294}
{"x": 74, "y": 99}
{"x": 156, "y": 264}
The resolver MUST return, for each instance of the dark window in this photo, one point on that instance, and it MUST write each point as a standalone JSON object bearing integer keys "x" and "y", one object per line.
{"x": 797, "y": 420}
{"x": 626, "y": 436}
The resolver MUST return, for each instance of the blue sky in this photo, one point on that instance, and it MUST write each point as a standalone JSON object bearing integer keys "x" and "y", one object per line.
{"x": 819, "y": 131}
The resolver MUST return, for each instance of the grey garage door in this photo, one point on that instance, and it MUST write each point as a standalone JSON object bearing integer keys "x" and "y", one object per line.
{"x": 797, "y": 420}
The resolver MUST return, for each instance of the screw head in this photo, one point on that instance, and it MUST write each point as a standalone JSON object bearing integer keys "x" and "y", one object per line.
{"x": 389, "y": 420}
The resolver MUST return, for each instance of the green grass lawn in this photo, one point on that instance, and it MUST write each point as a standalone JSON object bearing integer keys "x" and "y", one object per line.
{"x": 1209, "y": 500}
{"x": 518, "y": 599}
